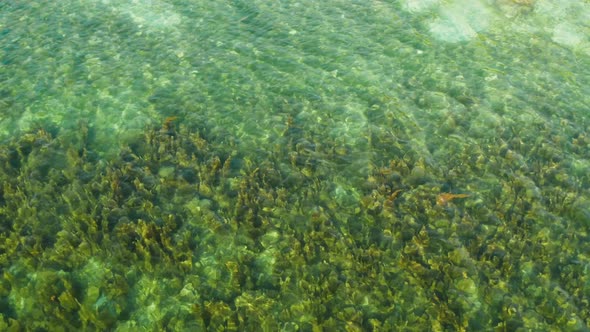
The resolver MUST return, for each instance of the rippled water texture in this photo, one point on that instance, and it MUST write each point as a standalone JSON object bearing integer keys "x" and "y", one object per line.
{"x": 359, "y": 165}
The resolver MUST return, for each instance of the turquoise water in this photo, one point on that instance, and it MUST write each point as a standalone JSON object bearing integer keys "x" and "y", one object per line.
{"x": 297, "y": 161}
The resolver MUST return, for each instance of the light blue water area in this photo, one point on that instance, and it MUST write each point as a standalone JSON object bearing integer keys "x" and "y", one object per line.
{"x": 483, "y": 95}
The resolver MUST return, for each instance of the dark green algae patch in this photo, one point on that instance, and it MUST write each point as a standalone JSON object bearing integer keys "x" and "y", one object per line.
{"x": 186, "y": 231}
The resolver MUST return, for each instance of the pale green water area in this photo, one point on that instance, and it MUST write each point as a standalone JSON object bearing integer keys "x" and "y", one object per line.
{"x": 250, "y": 165}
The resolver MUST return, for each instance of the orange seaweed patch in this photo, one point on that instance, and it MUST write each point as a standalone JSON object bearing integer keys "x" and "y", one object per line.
{"x": 168, "y": 122}
{"x": 390, "y": 198}
{"x": 444, "y": 198}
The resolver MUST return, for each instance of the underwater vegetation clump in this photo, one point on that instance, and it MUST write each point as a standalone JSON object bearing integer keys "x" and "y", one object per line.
{"x": 184, "y": 230}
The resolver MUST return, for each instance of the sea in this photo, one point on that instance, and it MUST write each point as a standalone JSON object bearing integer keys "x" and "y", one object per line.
{"x": 295, "y": 165}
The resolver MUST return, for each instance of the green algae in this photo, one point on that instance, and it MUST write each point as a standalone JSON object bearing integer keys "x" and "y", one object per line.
{"x": 325, "y": 220}
{"x": 180, "y": 230}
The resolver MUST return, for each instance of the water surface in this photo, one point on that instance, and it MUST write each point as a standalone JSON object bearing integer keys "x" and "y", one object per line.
{"x": 295, "y": 165}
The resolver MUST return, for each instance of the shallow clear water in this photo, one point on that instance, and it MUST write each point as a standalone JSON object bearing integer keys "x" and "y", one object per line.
{"x": 373, "y": 113}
